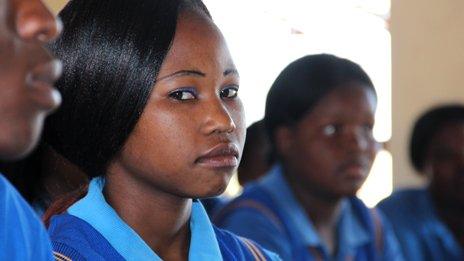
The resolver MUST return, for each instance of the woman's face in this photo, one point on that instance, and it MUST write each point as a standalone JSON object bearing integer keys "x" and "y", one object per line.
{"x": 444, "y": 163}
{"x": 330, "y": 151}
{"x": 27, "y": 73}
{"x": 190, "y": 136}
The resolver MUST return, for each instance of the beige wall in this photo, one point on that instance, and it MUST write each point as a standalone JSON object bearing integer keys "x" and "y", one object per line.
{"x": 55, "y": 5}
{"x": 427, "y": 67}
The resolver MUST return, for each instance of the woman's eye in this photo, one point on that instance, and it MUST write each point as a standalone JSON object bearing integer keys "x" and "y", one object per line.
{"x": 182, "y": 95}
{"x": 330, "y": 129}
{"x": 368, "y": 128}
{"x": 229, "y": 93}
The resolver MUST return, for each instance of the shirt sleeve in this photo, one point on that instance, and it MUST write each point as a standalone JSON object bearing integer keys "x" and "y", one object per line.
{"x": 251, "y": 224}
{"x": 22, "y": 234}
{"x": 272, "y": 256}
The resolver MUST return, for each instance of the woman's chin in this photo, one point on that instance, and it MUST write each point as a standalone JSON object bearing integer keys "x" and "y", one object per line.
{"x": 214, "y": 191}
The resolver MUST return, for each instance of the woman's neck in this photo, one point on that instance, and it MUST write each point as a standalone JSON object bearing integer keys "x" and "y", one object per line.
{"x": 159, "y": 218}
{"x": 451, "y": 213}
{"x": 324, "y": 211}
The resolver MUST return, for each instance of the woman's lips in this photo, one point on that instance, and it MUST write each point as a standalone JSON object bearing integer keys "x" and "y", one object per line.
{"x": 40, "y": 83}
{"x": 224, "y": 155}
{"x": 355, "y": 169}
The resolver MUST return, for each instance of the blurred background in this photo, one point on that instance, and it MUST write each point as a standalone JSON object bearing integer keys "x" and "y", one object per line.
{"x": 413, "y": 50}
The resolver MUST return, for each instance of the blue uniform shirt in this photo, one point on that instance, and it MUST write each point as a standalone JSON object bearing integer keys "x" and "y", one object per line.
{"x": 22, "y": 235}
{"x": 92, "y": 230}
{"x": 421, "y": 233}
{"x": 212, "y": 205}
{"x": 269, "y": 213}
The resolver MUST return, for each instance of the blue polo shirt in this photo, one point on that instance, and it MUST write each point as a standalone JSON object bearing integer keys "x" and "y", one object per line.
{"x": 92, "y": 230}
{"x": 22, "y": 235}
{"x": 269, "y": 213}
{"x": 421, "y": 233}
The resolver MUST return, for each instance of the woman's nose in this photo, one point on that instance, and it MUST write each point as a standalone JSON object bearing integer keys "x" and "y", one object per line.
{"x": 34, "y": 22}
{"x": 358, "y": 139}
{"x": 217, "y": 118}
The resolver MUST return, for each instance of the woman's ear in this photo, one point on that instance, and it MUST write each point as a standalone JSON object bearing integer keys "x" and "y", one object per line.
{"x": 427, "y": 165}
{"x": 283, "y": 140}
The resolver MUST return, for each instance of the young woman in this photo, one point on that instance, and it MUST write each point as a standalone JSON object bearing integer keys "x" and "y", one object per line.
{"x": 150, "y": 112}
{"x": 429, "y": 222}
{"x": 319, "y": 117}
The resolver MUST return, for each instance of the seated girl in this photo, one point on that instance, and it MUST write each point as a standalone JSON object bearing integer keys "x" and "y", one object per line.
{"x": 429, "y": 221}
{"x": 319, "y": 118}
{"x": 151, "y": 114}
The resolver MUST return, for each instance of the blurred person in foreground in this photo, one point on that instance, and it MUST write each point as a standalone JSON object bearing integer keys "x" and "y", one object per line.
{"x": 429, "y": 221}
{"x": 27, "y": 74}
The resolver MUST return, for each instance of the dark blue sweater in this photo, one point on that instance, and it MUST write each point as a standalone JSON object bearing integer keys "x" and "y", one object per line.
{"x": 75, "y": 239}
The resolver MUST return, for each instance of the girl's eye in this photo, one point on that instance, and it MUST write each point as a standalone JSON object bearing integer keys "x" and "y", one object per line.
{"x": 330, "y": 129}
{"x": 368, "y": 128}
{"x": 229, "y": 93}
{"x": 182, "y": 95}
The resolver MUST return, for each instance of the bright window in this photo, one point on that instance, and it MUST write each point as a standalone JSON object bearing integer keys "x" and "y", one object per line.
{"x": 266, "y": 35}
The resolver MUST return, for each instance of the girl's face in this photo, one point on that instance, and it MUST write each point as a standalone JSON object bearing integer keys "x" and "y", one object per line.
{"x": 189, "y": 139}
{"x": 444, "y": 164}
{"x": 331, "y": 150}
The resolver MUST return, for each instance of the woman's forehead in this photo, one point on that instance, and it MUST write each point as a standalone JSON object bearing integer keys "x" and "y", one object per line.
{"x": 198, "y": 44}
{"x": 344, "y": 99}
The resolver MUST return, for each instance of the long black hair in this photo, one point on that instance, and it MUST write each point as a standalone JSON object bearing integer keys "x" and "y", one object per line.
{"x": 112, "y": 51}
{"x": 302, "y": 84}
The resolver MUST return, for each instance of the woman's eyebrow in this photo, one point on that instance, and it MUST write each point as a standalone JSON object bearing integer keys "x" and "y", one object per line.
{"x": 230, "y": 71}
{"x": 183, "y": 73}
{"x": 197, "y": 73}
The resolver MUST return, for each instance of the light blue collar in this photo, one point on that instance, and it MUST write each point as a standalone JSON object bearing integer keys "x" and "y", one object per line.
{"x": 95, "y": 210}
{"x": 350, "y": 229}
{"x": 300, "y": 225}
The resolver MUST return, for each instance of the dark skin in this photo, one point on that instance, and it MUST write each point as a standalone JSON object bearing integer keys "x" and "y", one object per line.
{"x": 255, "y": 162}
{"x": 256, "y": 167}
{"x": 166, "y": 161}
{"x": 327, "y": 155}
{"x": 27, "y": 74}
{"x": 444, "y": 165}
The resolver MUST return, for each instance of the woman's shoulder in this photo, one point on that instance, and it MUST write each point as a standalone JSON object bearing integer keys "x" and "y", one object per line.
{"x": 251, "y": 208}
{"x": 22, "y": 240}
{"x": 234, "y": 247}
{"x": 405, "y": 197}
{"x": 76, "y": 239}
{"x": 253, "y": 198}
{"x": 407, "y": 203}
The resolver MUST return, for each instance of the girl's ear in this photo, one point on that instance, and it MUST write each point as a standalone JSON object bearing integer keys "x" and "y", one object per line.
{"x": 283, "y": 140}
